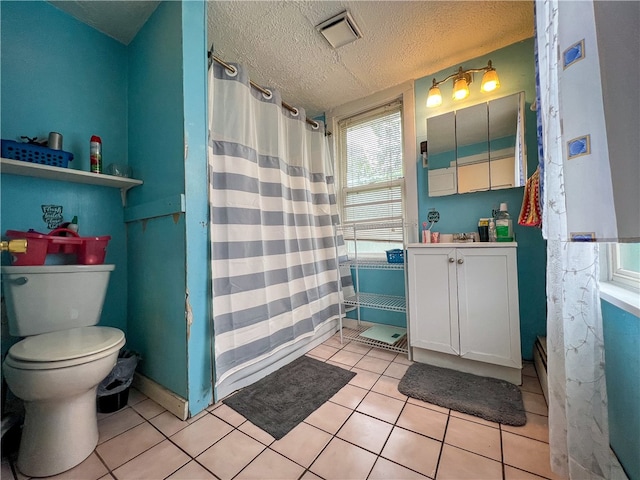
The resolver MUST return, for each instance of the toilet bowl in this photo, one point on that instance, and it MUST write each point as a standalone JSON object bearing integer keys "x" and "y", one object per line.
{"x": 56, "y": 373}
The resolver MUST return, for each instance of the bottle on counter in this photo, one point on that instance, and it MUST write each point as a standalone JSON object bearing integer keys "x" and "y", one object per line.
{"x": 95, "y": 154}
{"x": 504, "y": 225}
{"x": 74, "y": 224}
{"x": 483, "y": 230}
{"x": 492, "y": 230}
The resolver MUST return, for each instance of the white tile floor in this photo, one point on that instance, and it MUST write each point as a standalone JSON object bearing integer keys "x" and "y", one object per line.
{"x": 368, "y": 430}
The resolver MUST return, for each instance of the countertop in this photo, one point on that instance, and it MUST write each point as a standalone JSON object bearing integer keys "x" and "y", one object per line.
{"x": 464, "y": 244}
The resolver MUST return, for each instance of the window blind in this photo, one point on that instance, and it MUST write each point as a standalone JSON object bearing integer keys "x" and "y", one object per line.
{"x": 372, "y": 175}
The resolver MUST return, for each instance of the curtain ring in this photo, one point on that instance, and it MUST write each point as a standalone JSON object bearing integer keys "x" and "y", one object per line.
{"x": 295, "y": 112}
{"x": 231, "y": 71}
{"x": 315, "y": 125}
{"x": 268, "y": 95}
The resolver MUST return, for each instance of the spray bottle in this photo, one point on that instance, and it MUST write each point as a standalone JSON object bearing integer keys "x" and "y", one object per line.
{"x": 95, "y": 154}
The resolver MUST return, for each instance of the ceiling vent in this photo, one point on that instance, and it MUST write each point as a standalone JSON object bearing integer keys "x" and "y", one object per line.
{"x": 340, "y": 30}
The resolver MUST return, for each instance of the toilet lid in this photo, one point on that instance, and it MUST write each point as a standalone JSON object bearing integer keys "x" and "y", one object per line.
{"x": 66, "y": 344}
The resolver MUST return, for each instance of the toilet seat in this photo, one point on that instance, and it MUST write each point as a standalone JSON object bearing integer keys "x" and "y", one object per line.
{"x": 64, "y": 348}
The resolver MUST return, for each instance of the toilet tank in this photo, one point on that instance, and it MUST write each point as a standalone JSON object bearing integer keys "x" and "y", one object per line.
{"x": 49, "y": 298}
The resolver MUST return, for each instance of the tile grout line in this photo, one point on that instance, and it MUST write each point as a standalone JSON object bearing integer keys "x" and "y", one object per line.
{"x": 444, "y": 436}
{"x": 133, "y": 458}
{"x": 504, "y": 473}
{"x": 148, "y": 420}
{"x": 333, "y": 435}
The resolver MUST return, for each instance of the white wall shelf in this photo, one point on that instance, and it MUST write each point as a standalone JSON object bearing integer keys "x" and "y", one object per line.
{"x": 26, "y": 169}
{"x": 391, "y": 303}
{"x": 373, "y": 264}
{"x": 376, "y": 301}
{"x": 352, "y": 333}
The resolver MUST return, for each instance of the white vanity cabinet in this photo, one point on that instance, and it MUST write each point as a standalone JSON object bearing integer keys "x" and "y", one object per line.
{"x": 463, "y": 307}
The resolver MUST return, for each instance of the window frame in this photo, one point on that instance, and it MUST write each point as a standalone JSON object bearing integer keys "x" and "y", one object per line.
{"x": 616, "y": 271}
{"x": 405, "y": 92}
{"x": 616, "y": 286}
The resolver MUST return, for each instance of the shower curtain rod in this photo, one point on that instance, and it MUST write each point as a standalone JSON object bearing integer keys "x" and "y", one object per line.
{"x": 268, "y": 93}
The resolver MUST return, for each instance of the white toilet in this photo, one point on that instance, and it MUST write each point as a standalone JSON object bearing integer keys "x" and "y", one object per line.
{"x": 56, "y": 369}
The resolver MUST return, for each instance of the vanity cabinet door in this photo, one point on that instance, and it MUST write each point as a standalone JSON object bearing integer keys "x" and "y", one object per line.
{"x": 433, "y": 299}
{"x": 464, "y": 302}
{"x": 488, "y": 305}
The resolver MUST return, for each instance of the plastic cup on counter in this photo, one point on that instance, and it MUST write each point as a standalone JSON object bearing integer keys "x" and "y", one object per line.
{"x": 446, "y": 238}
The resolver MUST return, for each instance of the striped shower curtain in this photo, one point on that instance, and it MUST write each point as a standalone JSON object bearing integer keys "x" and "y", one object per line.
{"x": 273, "y": 247}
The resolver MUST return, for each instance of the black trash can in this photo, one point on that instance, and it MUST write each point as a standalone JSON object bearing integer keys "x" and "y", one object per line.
{"x": 113, "y": 391}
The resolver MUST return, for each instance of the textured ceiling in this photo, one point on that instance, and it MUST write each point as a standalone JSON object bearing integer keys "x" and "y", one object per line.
{"x": 119, "y": 19}
{"x": 281, "y": 47}
{"x": 279, "y": 44}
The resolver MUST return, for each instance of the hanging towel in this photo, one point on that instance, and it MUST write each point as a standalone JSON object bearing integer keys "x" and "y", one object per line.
{"x": 530, "y": 215}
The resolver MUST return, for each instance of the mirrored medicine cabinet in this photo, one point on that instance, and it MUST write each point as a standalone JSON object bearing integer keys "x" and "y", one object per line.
{"x": 477, "y": 148}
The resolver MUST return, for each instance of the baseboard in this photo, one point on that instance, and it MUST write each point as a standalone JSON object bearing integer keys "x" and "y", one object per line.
{"x": 540, "y": 363}
{"x": 162, "y": 396}
{"x": 438, "y": 359}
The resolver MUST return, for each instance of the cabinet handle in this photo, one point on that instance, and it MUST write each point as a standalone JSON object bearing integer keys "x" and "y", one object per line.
{"x": 451, "y": 259}
{"x": 460, "y": 261}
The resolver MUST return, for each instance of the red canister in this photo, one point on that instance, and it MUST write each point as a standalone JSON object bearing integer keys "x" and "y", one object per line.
{"x": 95, "y": 154}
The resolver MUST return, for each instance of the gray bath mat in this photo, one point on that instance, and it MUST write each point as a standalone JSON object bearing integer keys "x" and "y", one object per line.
{"x": 283, "y": 399}
{"x": 494, "y": 400}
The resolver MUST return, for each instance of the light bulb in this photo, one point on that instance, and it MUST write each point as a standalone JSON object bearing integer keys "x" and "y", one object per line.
{"x": 434, "y": 99}
{"x": 460, "y": 89}
{"x": 490, "y": 81}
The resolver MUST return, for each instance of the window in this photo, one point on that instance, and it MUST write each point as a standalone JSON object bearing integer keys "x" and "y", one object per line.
{"x": 372, "y": 177}
{"x": 625, "y": 264}
{"x": 620, "y": 276}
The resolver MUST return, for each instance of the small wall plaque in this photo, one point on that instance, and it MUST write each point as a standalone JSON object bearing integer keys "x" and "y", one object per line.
{"x": 578, "y": 147}
{"x": 583, "y": 236}
{"x": 573, "y": 54}
{"x": 52, "y": 215}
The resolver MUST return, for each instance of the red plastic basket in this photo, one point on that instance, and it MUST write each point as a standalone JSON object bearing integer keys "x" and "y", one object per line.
{"x": 88, "y": 250}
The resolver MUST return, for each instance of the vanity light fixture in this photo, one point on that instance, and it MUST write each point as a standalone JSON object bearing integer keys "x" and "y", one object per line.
{"x": 461, "y": 81}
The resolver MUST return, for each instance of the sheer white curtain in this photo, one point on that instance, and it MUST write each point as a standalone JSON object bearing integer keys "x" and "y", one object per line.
{"x": 578, "y": 418}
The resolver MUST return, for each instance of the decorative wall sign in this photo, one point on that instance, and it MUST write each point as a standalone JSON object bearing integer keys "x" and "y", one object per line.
{"x": 433, "y": 216}
{"x": 573, "y": 54}
{"x": 52, "y": 215}
{"x": 583, "y": 236}
{"x": 578, "y": 147}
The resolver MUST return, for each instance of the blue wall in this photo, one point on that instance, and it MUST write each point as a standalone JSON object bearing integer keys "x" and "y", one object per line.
{"x": 383, "y": 282}
{"x": 60, "y": 75}
{"x": 199, "y": 332}
{"x": 156, "y": 241}
{"x": 460, "y": 213}
{"x": 145, "y": 100}
{"x": 168, "y": 247}
{"x": 622, "y": 367}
